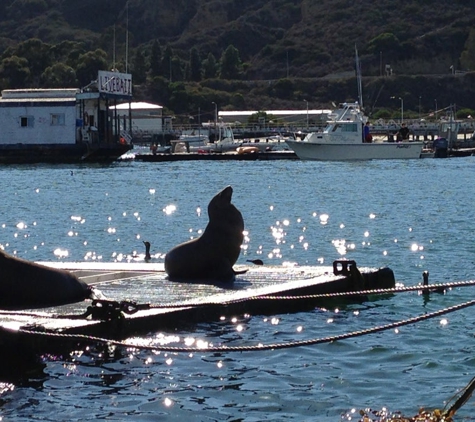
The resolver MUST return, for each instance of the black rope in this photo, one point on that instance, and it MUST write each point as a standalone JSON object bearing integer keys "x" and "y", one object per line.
{"x": 466, "y": 394}
{"x": 425, "y": 289}
{"x": 358, "y": 333}
{"x": 133, "y": 307}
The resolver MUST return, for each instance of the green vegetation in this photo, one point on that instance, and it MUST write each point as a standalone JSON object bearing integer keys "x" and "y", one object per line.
{"x": 264, "y": 54}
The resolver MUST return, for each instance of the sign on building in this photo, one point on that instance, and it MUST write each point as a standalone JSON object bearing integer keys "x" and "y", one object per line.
{"x": 115, "y": 83}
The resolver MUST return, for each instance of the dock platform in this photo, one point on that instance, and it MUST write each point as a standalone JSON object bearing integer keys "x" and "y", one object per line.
{"x": 217, "y": 156}
{"x": 138, "y": 298}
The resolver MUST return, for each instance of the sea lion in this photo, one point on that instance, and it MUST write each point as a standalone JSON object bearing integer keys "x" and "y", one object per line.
{"x": 25, "y": 285}
{"x": 213, "y": 254}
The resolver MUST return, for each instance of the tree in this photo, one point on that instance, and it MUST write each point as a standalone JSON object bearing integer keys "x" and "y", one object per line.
{"x": 159, "y": 90}
{"x": 179, "y": 98}
{"x": 59, "y": 75}
{"x": 139, "y": 67}
{"x": 26, "y": 9}
{"x": 155, "y": 59}
{"x": 38, "y": 55}
{"x": 195, "y": 65}
{"x": 15, "y": 71}
{"x": 67, "y": 51}
{"x": 177, "y": 69}
{"x": 284, "y": 88}
{"x": 260, "y": 118}
{"x": 386, "y": 42}
{"x": 467, "y": 58}
{"x": 230, "y": 62}
{"x": 210, "y": 67}
{"x": 167, "y": 63}
{"x": 89, "y": 65}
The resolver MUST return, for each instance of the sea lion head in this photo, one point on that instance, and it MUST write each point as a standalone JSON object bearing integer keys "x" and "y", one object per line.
{"x": 220, "y": 209}
{"x": 220, "y": 201}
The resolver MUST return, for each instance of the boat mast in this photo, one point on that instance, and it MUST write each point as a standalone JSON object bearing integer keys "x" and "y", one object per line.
{"x": 358, "y": 78}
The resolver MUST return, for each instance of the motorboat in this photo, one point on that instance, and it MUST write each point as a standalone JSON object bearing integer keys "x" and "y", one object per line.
{"x": 225, "y": 142}
{"x": 342, "y": 140}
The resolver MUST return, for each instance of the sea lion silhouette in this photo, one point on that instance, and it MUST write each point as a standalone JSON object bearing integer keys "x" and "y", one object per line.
{"x": 25, "y": 285}
{"x": 213, "y": 254}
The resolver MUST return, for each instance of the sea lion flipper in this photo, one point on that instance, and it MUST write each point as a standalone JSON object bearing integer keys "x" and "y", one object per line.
{"x": 241, "y": 271}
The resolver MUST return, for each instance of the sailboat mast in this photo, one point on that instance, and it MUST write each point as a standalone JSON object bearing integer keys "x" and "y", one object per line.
{"x": 358, "y": 78}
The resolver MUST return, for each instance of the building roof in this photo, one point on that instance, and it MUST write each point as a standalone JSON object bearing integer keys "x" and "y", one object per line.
{"x": 137, "y": 106}
{"x": 273, "y": 112}
{"x": 35, "y": 95}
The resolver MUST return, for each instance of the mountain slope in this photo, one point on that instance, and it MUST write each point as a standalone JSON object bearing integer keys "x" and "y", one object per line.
{"x": 301, "y": 38}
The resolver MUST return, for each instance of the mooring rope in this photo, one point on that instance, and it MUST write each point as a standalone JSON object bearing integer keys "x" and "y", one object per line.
{"x": 258, "y": 347}
{"x": 394, "y": 290}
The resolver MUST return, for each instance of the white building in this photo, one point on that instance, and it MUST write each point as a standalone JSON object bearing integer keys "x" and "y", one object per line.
{"x": 147, "y": 119}
{"x": 65, "y": 125}
{"x": 38, "y": 116}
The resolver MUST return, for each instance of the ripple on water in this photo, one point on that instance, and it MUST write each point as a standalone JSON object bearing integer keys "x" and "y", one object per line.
{"x": 410, "y": 216}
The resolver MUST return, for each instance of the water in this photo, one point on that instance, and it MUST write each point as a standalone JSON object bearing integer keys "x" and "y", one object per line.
{"x": 409, "y": 215}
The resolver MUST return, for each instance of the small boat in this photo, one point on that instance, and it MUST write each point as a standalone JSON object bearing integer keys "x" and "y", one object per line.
{"x": 198, "y": 141}
{"x": 66, "y": 125}
{"x": 342, "y": 140}
{"x": 225, "y": 142}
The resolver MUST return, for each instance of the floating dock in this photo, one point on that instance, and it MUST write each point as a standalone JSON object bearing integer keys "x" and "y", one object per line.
{"x": 138, "y": 298}
{"x": 217, "y": 156}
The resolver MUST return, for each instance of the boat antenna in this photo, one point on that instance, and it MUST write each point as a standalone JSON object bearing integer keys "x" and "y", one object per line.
{"x": 358, "y": 78}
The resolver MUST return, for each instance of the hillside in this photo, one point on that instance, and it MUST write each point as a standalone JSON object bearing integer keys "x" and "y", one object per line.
{"x": 288, "y": 42}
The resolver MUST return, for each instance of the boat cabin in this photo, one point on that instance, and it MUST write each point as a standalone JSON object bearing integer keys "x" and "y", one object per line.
{"x": 344, "y": 125}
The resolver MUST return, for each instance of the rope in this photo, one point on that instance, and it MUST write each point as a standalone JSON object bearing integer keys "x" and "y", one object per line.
{"x": 433, "y": 287}
{"x": 358, "y": 333}
{"x": 424, "y": 288}
{"x": 465, "y": 395}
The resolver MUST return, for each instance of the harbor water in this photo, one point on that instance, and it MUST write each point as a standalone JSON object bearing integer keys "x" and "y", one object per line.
{"x": 412, "y": 216}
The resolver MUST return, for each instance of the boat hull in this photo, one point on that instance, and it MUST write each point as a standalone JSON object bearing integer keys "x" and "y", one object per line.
{"x": 62, "y": 154}
{"x": 360, "y": 151}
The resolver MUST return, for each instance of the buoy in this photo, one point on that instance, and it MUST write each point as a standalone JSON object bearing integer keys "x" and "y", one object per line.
{"x": 247, "y": 150}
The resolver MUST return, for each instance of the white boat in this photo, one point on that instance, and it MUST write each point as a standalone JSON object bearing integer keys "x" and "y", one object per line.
{"x": 342, "y": 140}
{"x": 225, "y": 142}
{"x": 343, "y": 137}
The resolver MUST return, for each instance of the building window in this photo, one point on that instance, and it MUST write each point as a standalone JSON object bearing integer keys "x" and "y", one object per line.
{"x": 26, "y": 121}
{"x": 57, "y": 119}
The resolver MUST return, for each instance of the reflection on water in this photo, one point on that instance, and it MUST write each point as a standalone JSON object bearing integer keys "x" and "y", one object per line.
{"x": 412, "y": 216}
